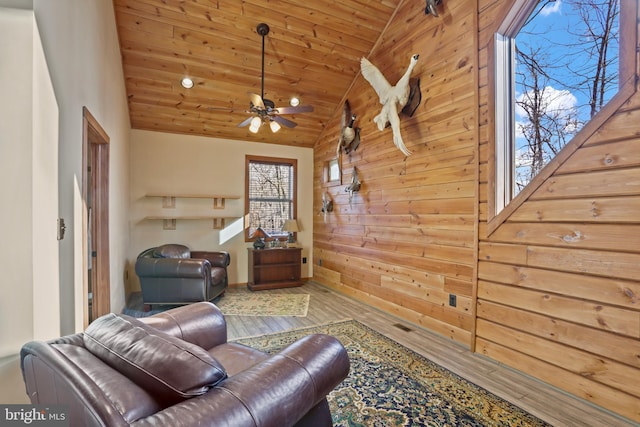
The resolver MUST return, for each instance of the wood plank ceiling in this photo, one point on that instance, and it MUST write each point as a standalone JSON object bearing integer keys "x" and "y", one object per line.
{"x": 312, "y": 51}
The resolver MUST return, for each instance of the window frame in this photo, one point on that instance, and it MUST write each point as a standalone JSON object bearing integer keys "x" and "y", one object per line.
{"x": 294, "y": 192}
{"x": 328, "y": 167}
{"x": 501, "y": 169}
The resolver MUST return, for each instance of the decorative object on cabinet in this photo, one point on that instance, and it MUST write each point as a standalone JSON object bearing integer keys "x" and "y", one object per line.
{"x": 259, "y": 235}
{"x": 291, "y": 226}
{"x": 431, "y": 7}
{"x": 327, "y": 205}
{"x": 169, "y": 202}
{"x": 274, "y": 268}
{"x": 392, "y": 98}
{"x": 354, "y": 186}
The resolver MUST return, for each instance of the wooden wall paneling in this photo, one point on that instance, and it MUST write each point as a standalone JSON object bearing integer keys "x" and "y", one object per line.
{"x": 621, "y": 154}
{"x": 623, "y": 293}
{"x": 602, "y": 343}
{"x": 609, "y": 318}
{"x": 574, "y": 360}
{"x": 596, "y": 209}
{"x": 592, "y": 184}
{"x": 558, "y": 279}
{"x": 609, "y": 397}
{"x": 569, "y": 235}
{"x": 406, "y": 241}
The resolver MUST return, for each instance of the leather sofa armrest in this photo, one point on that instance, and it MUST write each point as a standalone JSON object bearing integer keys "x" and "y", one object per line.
{"x": 216, "y": 258}
{"x": 201, "y": 323}
{"x": 173, "y": 267}
{"x": 274, "y": 393}
{"x": 51, "y": 378}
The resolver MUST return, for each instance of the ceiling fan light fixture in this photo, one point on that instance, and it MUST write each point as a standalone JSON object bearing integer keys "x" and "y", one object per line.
{"x": 186, "y": 83}
{"x": 255, "y": 124}
{"x": 275, "y": 127}
{"x": 264, "y": 110}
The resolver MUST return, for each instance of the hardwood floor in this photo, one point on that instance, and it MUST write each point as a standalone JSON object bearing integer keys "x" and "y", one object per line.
{"x": 545, "y": 402}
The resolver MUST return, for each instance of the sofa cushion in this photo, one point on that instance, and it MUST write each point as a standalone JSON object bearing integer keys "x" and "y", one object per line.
{"x": 172, "y": 251}
{"x": 167, "y": 366}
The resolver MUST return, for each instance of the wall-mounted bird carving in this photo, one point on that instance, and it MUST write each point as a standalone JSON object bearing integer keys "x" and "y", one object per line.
{"x": 349, "y": 139}
{"x": 354, "y": 186}
{"x": 431, "y": 7}
{"x": 327, "y": 206}
{"x": 392, "y": 98}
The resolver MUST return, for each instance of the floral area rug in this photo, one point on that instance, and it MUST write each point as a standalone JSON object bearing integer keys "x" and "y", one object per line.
{"x": 391, "y": 385}
{"x": 263, "y": 304}
{"x": 237, "y": 303}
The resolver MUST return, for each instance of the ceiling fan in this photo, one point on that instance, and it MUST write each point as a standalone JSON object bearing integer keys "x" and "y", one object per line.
{"x": 264, "y": 110}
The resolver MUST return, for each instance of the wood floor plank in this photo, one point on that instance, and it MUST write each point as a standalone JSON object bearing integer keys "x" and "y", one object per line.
{"x": 540, "y": 399}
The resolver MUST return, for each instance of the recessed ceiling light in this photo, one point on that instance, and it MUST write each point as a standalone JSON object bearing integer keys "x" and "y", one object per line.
{"x": 294, "y": 101}
{"x": 187, "y": 83}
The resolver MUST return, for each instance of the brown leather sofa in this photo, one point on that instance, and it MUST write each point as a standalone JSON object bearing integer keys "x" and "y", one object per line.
{"x": 172, "y": 274}
{"x": 177, "y": 369}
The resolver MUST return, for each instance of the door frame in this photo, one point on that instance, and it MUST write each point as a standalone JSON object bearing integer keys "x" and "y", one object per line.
{"x": 95, "y": 160}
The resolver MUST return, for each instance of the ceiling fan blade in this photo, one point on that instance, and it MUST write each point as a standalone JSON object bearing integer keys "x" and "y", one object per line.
{"x": 246, "y": 122}
{"x": 284, "y": 122}
{"x": 256, "y": 100}
{"x": 220, "y": 109}
{"x": 294, "y": 110}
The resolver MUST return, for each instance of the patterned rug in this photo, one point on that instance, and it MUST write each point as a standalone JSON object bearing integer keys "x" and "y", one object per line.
{"x": 237, "y": 303}
{"x": 263, "y": 304}
{"x": 390, "y": 385}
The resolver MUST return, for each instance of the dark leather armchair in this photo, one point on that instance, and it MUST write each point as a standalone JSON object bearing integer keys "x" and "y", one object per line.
{"x": 177, "y": 369}
{"x": 172, "y": 274}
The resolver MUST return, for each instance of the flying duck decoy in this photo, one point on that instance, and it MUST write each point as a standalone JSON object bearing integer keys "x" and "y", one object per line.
{"x": 392, "y": 98}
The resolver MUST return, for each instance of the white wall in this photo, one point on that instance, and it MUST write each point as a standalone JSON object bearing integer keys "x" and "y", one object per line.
{"x": 81, "y": 46}
{"x": 29, "y": 169}
{"x": 16, "y": 147}
{"x": 168, "y": 163}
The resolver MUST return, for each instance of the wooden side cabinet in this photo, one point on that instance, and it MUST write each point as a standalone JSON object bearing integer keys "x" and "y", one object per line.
{"x": 274, "y": 268}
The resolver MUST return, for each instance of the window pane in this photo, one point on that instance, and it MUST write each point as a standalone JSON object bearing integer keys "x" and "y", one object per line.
{"x": 270, "y": 196}
{"x": 334, "y": 170}
{"x": 566, "y": 70}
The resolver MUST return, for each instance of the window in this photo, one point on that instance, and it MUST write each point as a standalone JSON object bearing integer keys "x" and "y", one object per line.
{"x": 331, "y": 172}
{"x": 270, "y": 194}
{"x": 556, "y": 65}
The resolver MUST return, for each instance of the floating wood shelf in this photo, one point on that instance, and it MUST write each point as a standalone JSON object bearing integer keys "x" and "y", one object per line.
{"x": 169, "y": 221}
{"x": 169, "y": 200}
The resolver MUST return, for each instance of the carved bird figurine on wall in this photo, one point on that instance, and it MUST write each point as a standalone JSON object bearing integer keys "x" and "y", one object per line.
{"x": 431, "y": 7}
{"x": 349, "y": 136}
{"x": 327, "y": 206}
{"x": 392, "y": 98}
{"x": 354, "y": 186}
